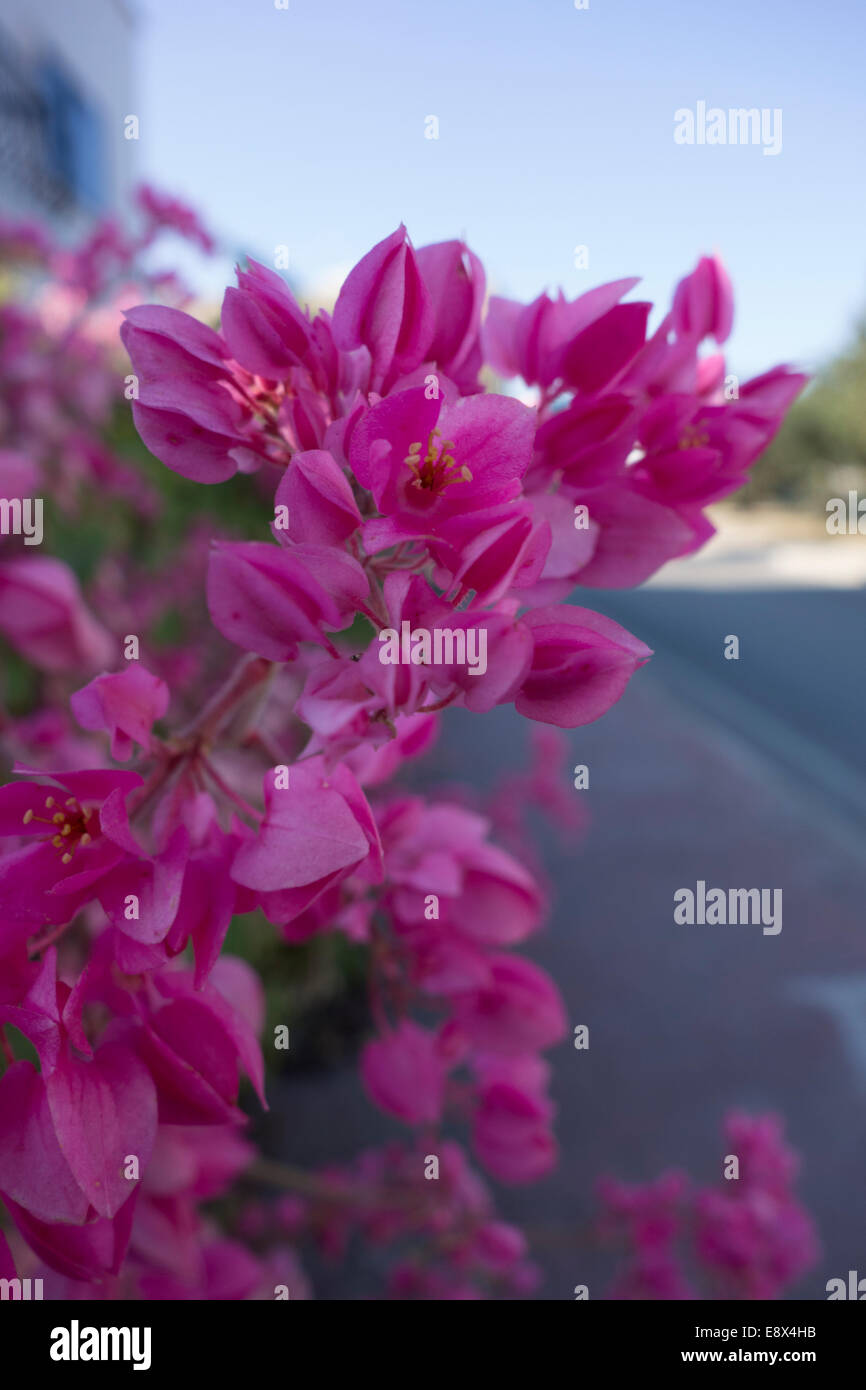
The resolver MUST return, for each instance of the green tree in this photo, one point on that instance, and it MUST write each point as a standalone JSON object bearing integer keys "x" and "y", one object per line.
{"x": 822, "y": 444}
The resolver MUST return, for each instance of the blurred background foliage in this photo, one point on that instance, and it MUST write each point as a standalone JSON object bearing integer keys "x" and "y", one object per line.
{"x": 820, "y": 450}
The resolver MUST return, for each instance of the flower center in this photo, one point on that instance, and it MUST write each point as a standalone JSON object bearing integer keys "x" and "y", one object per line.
{"x": 438, "y": 469}
{"x": 69, "y": 825}
{"x": 694, "y": 438}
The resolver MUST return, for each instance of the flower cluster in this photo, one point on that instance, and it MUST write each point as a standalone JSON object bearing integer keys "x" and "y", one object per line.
{"x": 749, "y": 1238}
{"x": 406, "y": 493}
{"x": 448, "y": 1241}
{"x": 60, "y": 369}
{"x": 415, "y": 516}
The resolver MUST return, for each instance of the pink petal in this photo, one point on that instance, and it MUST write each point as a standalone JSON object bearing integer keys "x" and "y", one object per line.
{"x": 33, "y": 1170}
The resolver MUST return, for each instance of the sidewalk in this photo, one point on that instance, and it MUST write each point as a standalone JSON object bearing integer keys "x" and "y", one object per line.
{"x": 769, "y": 547}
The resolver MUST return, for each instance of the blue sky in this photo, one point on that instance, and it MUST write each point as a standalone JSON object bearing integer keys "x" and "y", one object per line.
{"x": 305, "y": 127}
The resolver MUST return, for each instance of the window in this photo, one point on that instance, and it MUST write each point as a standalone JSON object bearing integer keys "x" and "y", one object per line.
{"x": 73, "y": 137}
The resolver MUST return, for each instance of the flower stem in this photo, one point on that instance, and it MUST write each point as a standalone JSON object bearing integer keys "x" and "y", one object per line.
{"x": 249, "y": 672}
{"x": 228, "y": 791}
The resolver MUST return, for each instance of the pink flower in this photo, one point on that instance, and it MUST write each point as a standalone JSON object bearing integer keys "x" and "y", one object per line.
{"x": 86, "y": 1253}
{"x": 194, "y": 1042}
{"x": 485, "y": 895}
{"x": 68, "y": 1132}
{"x": 406, "y": 495}
{"x": 754, "y": 1244}
{"x": 322, "y": 509}
{"x": 201, "y": 1160}
{"x": 454, "y": 278}
{"x": 264, "y": 328}
{"x": 595, "y": 357}
{"x": 650, "y": 1215}
{"x": 498, "y": 1245}
{"x": 754, "y": 1237}
{"x": 704, "y": 303}
{"x": 588, "y": 442}
{"x": 266, "y": 599}
{"x": 488, "y": 552}
{"x": 581, "y": 664}
{"x": 405, "y": 687}
{"x": 315, "y": 832}
{"x": 209, "y": 898}
{"x": 766, "y": 1161}
{"x": 499, "y": 901}
{"x": 66, "y": 855}
{"x": 186, "y": 412}
{"x": 517, "y": 1010}
{"x": 171, "y": 214}
{"x": 428, "y": 463}
{"x": 43, "y": 615}
{"x": 750, "y": 1240}
{"x": 586, "y": 342}
{"x": 27, "y": 241}
{"x": 385, "y": 307}
{"x": 511, "y": 1133}
{"x": 404, "y": 1073}
{"x": 20, "y": 476}
{"x": 652, "y": 1276}
{"x": 33, "y": 1170}
{"x": 635, "y": 534}
{"x": 103, "y": 1110}
{"x": 126, "y": 704}
{"x": 227, "y": 1272}
{"x": 697, "y": 453}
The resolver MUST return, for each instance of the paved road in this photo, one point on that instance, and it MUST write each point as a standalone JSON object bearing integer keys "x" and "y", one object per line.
{"x": 798, "y": 688}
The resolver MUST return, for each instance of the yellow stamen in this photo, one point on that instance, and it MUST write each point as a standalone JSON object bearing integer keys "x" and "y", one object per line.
{"x": 694, "y": 438}
{"x": 28, "y": 816}
{"x": 438, "y": 468}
